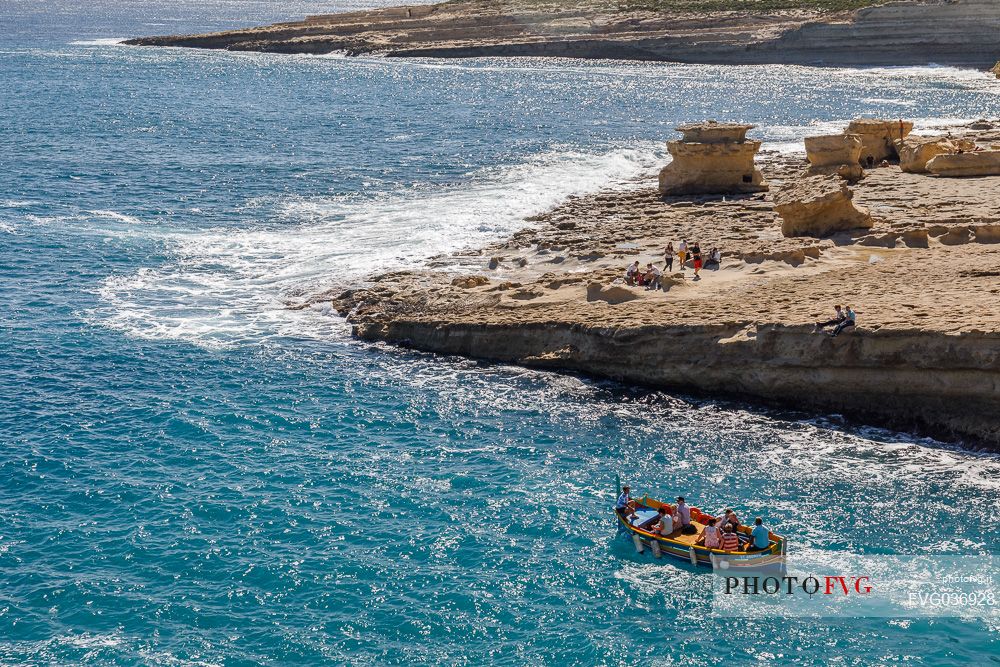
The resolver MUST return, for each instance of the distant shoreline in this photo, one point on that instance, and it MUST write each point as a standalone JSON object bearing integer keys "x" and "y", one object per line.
{"x": 958, "y": 33}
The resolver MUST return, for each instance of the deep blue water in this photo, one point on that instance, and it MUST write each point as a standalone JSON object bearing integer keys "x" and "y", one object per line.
{"x": 192, "y": 474}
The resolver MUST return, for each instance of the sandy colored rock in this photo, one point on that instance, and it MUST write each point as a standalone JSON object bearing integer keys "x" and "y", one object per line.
{"x": 835, "y": 154}
{"x": 979, "y": 163}
{"x": 712, "y": 158}
{"x": 996, "y": 69}
{"x": 916, "y": 152}
{"x": 745, "y": 327}
{"x": 469, "y": 282}
{"x": 914, "y": 32}
{"x": 819, "y": 206}
{"x": 613, "y": 294}
{"x": 878, "y": 138}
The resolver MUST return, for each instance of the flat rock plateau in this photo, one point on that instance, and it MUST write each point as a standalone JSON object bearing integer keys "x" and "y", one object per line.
{"x": 820, "y": 32}
{"x": 924, "y": 280}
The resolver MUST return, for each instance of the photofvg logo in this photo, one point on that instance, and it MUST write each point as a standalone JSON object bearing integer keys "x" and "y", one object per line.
{"x": 825, "y": 584}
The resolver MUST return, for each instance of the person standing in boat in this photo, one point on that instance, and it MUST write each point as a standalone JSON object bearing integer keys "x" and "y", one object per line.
{"x": 625, "y": 505}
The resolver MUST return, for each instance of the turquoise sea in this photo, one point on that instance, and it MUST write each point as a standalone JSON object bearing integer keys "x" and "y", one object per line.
{"x": 193, "y": 474}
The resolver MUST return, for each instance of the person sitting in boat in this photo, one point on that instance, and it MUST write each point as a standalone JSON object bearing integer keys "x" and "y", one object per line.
{"x": 625, "y": 505}
{"x": 661, "y": 524}
{"x": 730, "y": 542}
{"x": 711, "y": 537}
{"x": 760, "y": 537}
{"x": 729, "y": 518}
{"x": 682, "y": 517}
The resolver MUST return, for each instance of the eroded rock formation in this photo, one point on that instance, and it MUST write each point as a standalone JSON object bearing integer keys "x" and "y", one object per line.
{"x": 878, "y": 138}
{"x": 835, "y": 154}
{"x": 916, "y": 152}
{"x": 979, "y": 163}
{"x": 712, "y": 158}
{"x": 996, "y": 69}
{"x": 819, "y": 206}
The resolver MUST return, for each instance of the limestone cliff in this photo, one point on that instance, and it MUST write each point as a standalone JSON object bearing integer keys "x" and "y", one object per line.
{"x": 945, "y": 385}
{"x": 956, "y": 32}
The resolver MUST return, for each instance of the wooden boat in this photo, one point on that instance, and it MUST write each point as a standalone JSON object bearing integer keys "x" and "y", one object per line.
{"x": 686, "y": 547}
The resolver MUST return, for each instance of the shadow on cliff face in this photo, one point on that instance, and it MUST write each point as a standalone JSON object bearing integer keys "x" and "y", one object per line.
{"x": 614, "y": 392}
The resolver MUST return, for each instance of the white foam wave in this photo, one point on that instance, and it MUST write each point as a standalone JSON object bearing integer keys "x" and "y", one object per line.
{"x": 115, "y": 215}
{"x": 104, "y": 41}
{"x": 226, "y": 287}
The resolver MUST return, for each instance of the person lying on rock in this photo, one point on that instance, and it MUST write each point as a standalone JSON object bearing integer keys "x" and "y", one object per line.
{"x": 848, "y": 322}
{"x": 652, "y": 277}
{"x": 837, "y": 319}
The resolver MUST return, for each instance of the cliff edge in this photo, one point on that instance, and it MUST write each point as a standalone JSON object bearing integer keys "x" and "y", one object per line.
{"x": 923, "y": 275}
{"x": 817, "y": 32}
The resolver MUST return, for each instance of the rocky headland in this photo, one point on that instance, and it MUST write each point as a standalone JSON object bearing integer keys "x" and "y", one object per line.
{"x": 916, "y": 254}
{"x": 813, "y": 32}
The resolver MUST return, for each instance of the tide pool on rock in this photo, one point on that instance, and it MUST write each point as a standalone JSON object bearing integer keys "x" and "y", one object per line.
{"x": 195, "y": 474}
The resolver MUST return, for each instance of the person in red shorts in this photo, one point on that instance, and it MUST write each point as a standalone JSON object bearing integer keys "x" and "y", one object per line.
{"x": 696, "y": 257}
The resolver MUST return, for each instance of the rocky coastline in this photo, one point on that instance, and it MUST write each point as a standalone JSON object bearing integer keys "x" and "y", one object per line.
{"x": 907, "y": 32}
{"x": 922, "y": 270}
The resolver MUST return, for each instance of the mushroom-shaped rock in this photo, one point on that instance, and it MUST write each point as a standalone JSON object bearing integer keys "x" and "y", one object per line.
{"x": 977, "y": 163}
{"x": 916, "y": 152}
{"x": 878, "y": 138}
{"x": 819, "y": 206}
{"x": 712, "y": 158}
{"x": 838, "y": 154}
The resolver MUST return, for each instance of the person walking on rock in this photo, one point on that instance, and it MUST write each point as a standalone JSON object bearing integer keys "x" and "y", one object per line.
{"x": 682, "y": 251}
{"x": 696, "y": 256}
{"x": 668, "y": 257}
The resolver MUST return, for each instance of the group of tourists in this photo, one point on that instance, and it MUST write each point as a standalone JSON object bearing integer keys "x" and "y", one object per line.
{"x": 845, "y": 318}
{"x": 720, "y": 533}
{"x": 651, "y": 277}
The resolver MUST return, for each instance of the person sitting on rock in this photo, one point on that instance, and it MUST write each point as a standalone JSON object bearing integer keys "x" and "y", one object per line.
{"x": 652, "y": 277}
{"x": 632, "y": 273}
{"x": 837, "y": 319}
{"x": 714, "y": 257}
{"x": 847, "y": 322}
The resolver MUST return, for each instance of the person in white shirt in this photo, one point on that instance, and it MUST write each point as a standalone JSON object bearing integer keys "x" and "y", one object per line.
{"x": 682, "y": 517}
{"x": 652, "y": 277}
